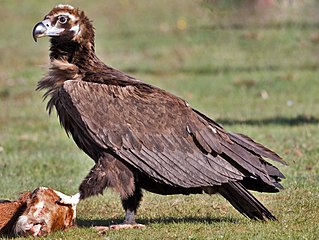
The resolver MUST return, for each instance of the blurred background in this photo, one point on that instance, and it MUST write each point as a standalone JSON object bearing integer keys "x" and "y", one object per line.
{"x": 249, "y": 44}
{"x": 252, "y": 65}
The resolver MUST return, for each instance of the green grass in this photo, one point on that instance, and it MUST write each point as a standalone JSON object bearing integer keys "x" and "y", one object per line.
{"x": 256, "y": 73}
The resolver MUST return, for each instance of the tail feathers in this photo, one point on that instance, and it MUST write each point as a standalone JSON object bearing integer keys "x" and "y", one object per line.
{"x": 244, "y": 201}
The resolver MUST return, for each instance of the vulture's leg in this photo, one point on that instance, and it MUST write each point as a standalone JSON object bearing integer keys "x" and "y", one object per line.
{"x": 94, "y": 183}
{"x": 130, "y": 206}
{"x": 107, "y": 172}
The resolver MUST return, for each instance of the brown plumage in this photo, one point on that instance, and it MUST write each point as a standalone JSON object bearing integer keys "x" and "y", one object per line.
{"x": 140, "y": 136}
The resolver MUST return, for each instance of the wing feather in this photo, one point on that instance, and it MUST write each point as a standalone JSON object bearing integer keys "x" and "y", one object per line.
{"x": 160, "y": 135}
{"x": 251, "y": 145}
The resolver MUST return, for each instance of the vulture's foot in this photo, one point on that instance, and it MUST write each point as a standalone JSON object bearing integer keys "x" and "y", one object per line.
{"x": 103, "y": 229}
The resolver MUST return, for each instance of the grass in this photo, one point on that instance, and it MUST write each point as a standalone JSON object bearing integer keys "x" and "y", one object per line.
{"x": 254, "y": 72}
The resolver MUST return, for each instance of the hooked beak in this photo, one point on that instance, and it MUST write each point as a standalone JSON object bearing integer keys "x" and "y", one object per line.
{"x": 44, "y": 28}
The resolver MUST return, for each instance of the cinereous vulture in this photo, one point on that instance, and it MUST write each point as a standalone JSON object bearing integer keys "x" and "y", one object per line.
{"x": 143, "y": 137}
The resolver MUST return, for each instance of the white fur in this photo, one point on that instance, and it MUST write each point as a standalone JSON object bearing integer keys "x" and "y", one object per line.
{"x": 69, "y": 200}
{"x": 39, "y": 206}
{"x": 64, "y": 198}
{"x": 61, "y": 195}
{"x": 22, "y": 225}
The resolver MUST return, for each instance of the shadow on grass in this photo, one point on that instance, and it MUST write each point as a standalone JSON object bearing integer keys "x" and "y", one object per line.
{"x": 279, "y": 120}
{"x": 164, "y": 220}
{"x": 84, "y": 223}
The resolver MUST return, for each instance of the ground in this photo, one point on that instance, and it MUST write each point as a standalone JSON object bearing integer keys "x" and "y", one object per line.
{"x": 253, "y": 71}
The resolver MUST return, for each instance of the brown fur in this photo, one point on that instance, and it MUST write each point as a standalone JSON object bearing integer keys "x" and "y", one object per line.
{"x": 10, "y": 211}
{"x": 35, "y": 213}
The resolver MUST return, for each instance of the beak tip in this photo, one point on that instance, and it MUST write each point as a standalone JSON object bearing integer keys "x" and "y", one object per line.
{"x": 38, "y": 30}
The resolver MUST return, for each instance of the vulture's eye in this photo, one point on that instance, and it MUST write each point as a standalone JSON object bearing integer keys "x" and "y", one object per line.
{"x": 62, "y": 19}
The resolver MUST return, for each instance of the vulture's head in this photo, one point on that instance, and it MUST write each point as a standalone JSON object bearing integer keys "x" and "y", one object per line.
{"x": 65, "y": 23}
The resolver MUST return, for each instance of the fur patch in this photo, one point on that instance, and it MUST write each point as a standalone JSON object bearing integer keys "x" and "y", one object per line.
{"x": 36, "y": 214}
